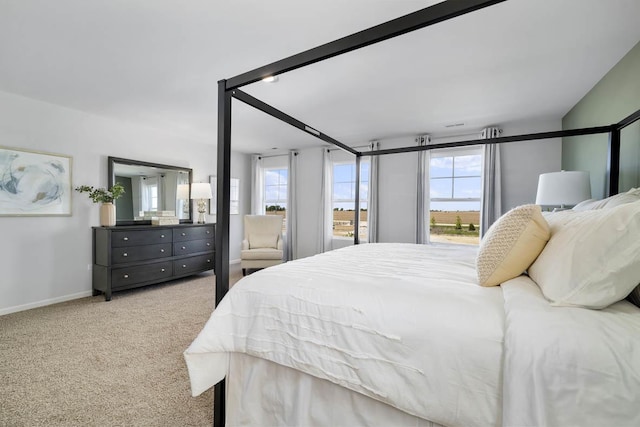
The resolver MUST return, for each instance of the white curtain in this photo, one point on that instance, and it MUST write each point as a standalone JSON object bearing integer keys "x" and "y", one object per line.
{"x": 146, "y": 183}
{"x": 491, "y": 205}
{"x": 257, "y": 185}
{"x": 291, "y": 244}
{"x": 423, "y": 192}
{"x": 325, "y": 230}
{"x": 372, "y": 195}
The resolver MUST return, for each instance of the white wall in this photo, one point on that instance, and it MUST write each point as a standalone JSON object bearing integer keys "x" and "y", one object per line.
{"x": 309, "y": 206}
{"x": 45, "y": 259}
{"x": 522, "y": 163}
{"x": 241, "y": 169}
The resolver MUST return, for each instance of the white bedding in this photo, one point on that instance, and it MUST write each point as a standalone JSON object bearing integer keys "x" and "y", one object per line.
{"x": 569, "y": 366}
{"x": 408, "y": 325}
{"x": 404, "y": 324}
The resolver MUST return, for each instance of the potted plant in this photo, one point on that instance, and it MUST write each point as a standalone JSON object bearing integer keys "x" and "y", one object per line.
{"x": 106, "y": 198}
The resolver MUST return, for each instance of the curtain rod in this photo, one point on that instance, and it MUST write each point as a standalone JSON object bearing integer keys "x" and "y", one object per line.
{"x": 355, "y": 146}
{"x": 260, "y": 156}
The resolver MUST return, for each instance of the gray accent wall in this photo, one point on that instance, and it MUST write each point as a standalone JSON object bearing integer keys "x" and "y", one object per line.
{"x": 613, "y": 98}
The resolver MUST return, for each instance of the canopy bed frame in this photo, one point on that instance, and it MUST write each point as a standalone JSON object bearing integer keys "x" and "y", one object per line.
{"x": 230, "y": 88}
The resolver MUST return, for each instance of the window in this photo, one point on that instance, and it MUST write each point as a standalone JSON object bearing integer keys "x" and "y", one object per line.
{"x": 344, "y": 199}
{"x": 275, "y": 193}
{"x": 150, "y": 189}
{"x": 456, "y": 191}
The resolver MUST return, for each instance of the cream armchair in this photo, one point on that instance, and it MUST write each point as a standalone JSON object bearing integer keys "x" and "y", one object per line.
{"x": 262, "y": 244}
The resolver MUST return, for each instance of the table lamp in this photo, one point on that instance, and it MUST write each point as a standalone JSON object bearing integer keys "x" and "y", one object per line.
{"x": 564, "y": 188}
{"x": 201, "y": 191}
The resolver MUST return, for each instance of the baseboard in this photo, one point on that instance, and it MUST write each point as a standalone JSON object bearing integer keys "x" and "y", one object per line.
{"x": 17, "y": 308}
{"x": 45, "y": 302}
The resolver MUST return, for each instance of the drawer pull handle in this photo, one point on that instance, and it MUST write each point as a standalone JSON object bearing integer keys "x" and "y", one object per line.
{"x": 184, "y": 265}
{"x": 126, "y": 276}
{"x": 162, "y": 270}
{"x": 208, "y": 232}
{"x": 184, "y": 234}
{"x": 209, "y": 261}
{"x": 208, "y": 244}
{"x": 161, "y": 250}
{"x": 125, "y": 238}
{"x": 162, "y": 236}
{"x": 125, "y": 254}
{"x": 183, "y": 248}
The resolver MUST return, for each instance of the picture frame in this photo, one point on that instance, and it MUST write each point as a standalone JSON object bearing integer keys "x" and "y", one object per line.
{"x": 35, "y": 183}
{"x": 234, "y": 208}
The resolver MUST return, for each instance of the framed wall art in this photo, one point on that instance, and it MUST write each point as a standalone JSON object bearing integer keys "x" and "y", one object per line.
{"x": 34, "y": 183}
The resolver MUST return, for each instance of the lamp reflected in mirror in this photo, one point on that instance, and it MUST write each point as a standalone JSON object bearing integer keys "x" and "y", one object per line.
{"x": 182, "y": 195}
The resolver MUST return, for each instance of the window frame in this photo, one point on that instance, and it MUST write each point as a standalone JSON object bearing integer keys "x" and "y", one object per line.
{"x": 266, "y": 202}
{"x": 352, "y": 201}
{"x": 453, "y": 153}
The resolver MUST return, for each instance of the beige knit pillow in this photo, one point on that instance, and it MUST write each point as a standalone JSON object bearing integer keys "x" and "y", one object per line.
{"x": 511, "y": 245}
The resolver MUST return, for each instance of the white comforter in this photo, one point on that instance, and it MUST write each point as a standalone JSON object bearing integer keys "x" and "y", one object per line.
{"x": 409, "y": 326}
{"x": 404, "y": 324}
{"x": 568, "y": 366}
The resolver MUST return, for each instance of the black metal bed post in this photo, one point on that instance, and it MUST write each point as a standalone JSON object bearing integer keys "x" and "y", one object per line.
{"x": 613, "y": 162}
{"x": 223, "y": 204}
{"x": 356, "y": 222}
{"x": 615, "y": 151}
{"x": 274, "y": 112}
{"x": 422, "y": 18}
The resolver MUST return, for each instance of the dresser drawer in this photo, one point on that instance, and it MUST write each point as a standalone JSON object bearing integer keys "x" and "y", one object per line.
{"x": 140, "y": 253}
{"x": 193, "y": 264}
{"x": 193, "y": 246}
{"x": 192, "y": 233}
{"x": 126, "y": 276}
{"x": 140, "y": 237}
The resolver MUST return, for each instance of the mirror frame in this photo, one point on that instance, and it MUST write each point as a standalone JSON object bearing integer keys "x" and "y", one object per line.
{"x": 111, "y": 179}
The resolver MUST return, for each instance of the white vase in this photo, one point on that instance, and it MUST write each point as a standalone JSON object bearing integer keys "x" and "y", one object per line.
{"x": 108, "y": 215}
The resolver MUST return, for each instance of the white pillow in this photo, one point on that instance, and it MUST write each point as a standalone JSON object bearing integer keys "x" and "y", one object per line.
{"x": 263, "y": 240}
{"x": 511, "y": 244}
{"x": 593, "y": 257}
{"x": 630, "y": 196}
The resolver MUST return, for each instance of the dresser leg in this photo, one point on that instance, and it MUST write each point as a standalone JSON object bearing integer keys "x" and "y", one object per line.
{"x": 244, "y": 272}
{"x": 107, "y": 296}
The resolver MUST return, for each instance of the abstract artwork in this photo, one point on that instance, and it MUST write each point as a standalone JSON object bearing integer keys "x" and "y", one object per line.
{"x": 34, "y": 183}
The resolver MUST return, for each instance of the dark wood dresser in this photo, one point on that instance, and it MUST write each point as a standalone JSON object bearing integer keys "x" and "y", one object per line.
{"x": 128, "y": 257}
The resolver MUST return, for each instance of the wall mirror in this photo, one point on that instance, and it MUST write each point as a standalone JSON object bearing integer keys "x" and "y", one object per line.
{"x": 149, "y": 188}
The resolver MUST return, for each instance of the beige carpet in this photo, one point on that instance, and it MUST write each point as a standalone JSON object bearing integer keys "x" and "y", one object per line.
{"x": 89, "y": 362}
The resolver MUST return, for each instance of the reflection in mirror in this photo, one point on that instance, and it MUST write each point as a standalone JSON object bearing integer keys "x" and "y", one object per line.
{"x": 150, "y": 190}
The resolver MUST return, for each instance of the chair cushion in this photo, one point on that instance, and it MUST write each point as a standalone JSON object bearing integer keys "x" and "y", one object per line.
{"x": 262, "y": 253}
{"x": 263, "y": 240}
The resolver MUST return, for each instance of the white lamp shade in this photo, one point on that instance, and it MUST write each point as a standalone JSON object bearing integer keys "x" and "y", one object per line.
{"x": 565, "y": 188}
{"x": 182, "y": 192}
{"x": 201, "y": 190}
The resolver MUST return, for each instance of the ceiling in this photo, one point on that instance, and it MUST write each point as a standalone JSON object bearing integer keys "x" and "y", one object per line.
{"x": 157, "y": 63}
